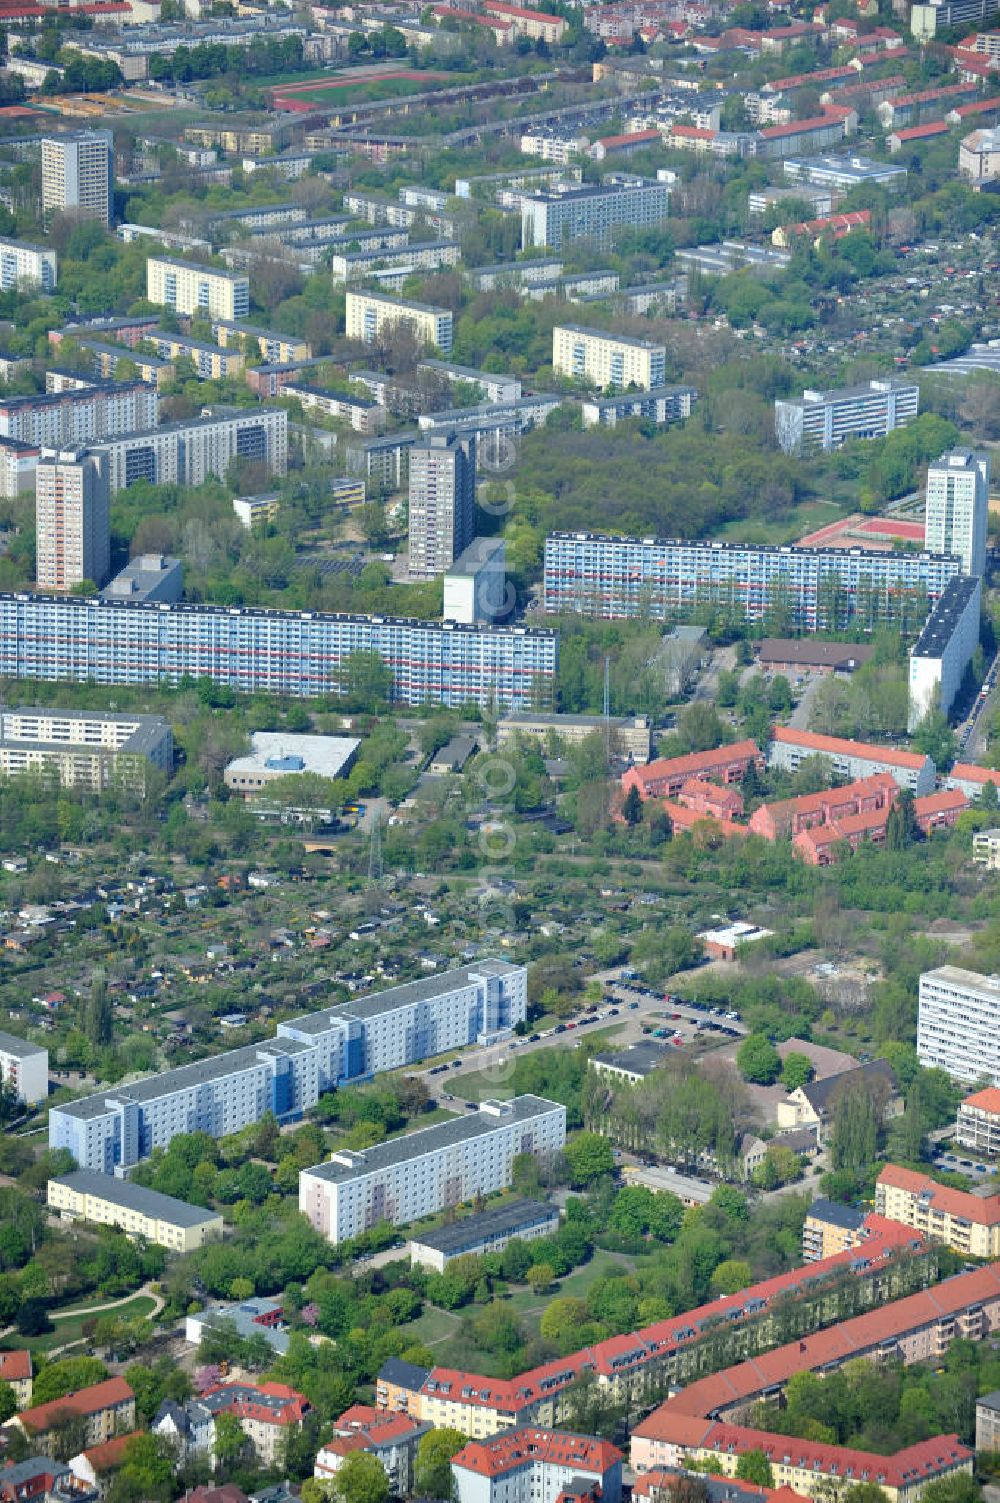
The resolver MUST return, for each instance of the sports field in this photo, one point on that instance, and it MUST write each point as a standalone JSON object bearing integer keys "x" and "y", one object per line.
{"x": 355, "y": 89}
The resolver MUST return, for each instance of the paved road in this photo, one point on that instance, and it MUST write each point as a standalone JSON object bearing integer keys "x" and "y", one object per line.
{"x": 977, "y": 735}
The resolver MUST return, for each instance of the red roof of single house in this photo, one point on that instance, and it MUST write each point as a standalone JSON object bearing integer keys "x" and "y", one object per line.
{"x": 985, "y": 1101}
{"x": 15, "y": 1367}
{"x": 976, "y": 107}
{"x": 90, "y": 1400}
{"x": 695, "y": 762}
{"x": 918, "y": 132}
{"x": 693, "y": 132}
{"x": 111, "y": 1453}
{"x": 940, "y": 802}
{"x": 892, "y": 756}
{"x": 795, "y": 127}
{"x": 983, "y": 1210}
{"x": 511, "y": 1448}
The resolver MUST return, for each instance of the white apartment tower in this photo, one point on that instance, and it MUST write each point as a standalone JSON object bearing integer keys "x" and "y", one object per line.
{"x": 24, "y": 1067}
{"x": 72, "y": 519}
{"x": 442, "y": 501}
{"x": 958, "y": 1028}
{"x": 958, "y": 493}
{"x": 77, "y": 174}
{"x": 607, "y": 360}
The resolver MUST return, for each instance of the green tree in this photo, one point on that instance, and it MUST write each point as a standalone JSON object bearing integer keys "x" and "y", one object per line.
{"x": 753, "y": 1466}
{"x": 8, "y": 1403}
{"x": 432, "y": 1469}
{"x": 731, "y": 1276}
{"x": 540, "y": 1277}
{"x": 796, "y": 1070}
{"x": 362, "y": 1479}
{"x": 589, "y": 1157}
{"x": 854, "y": 1130}
{"x": 231, "y": 1444}
{"x": 65, "y": 1376}
{"x": 632, "y": 806}
{"x": 758, "y": 1060}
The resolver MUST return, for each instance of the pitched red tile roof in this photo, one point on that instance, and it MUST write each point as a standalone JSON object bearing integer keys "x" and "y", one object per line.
{"x": 85, "y": 1401}
{"x": 15, "y": 1367}
{"x": 968, "y": 772}
{"x": 985, "y": 1101}
{"x": 840, "y": 746}
{"x": 796, "y": 127}
{"x": 694, "y": 762}
{"x": 512, "y": 1448}
{"x": 982, "y": 1210}
{"x": 111, "y": 1453}
{"x": 920, "y": 132}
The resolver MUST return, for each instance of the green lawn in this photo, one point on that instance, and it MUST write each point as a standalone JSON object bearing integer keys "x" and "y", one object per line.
{"x": 786, "y": 528}
{"x": 479, "y": 1085}
{"x": 369, "y": 91}
{"x": 68, "y": 1324}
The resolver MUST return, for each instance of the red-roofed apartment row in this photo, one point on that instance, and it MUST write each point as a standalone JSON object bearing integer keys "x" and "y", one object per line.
{"x": 526, "y": 1464}
{"x": 666, "y": 777}
{"x": 705, "y": 1418}
{"x": 852, "y": 759}
{"x": 534, "y": 24}
{"x": 480, "y": 1406}
{"x": 978, "y": 1125}
{"x": 968, "y": 1222}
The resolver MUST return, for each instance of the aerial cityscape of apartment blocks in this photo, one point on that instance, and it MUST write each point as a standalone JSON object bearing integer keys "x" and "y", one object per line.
{"x": 554, "y": 217}
{"x": 827, "y": 419}
{"x": 77, "y": 175}
{"x": 79, "y": 414}
{"x": 425, "y": 1171}
{"x": 958, "y": 1027}
{"x": 288, "y": 1073}
{"x": 85, "y": 748}
{"x": 187, "y": 453}
{"x": 24, "y": 266}
{"x": 594, "y": 574}
{"x": 957, "y": 507}
{"x": 253, "y": 649}
{"x": 371, "y": 314}
{"x": 944, "y": 649}
{"x": 197, "y": 290}
{"x": 72, "y": 519}
{"x": 607, "y": 359}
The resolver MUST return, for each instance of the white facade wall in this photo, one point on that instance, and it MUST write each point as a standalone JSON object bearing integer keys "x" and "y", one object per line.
{"x": 424, "y": 1172}
{"x": 957, "y": 507}
{"x": 198, "y": 290}
{"x": 606, "y": 360}
{"x": 25, "y": 1067}
{"x": 24, "y": 266}
{"x": 959, "y": 1023}
{"x": 938, "y": 662}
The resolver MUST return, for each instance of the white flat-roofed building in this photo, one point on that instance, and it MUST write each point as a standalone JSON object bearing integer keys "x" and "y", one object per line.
{"x": 24, "y": 1067}
{"x": 72, "y": 519}
{"x": 555, "y": 218}
{"x": 23, "y": 266}
{"x": 370, "y": 313}
{"x": 86, "y": 748}
{"x": 423, "y": 1172}
{"x": 827, "y": 419}
{"x": 287, "y": 1074}
{"x": 944, "y": 649}
{"x": 84, "y": 412}
{"x": 18, "y": 462}
{"x": 485, "y": 1232}
{"x": 986, "y": 849}
{"x": 663, "y": 404}
{"x": 606, "y": 359}
{"x": 147, "y": 577}
{"x": 958, "y": 1027}
{"x": 843, "y": 172}
{"x": 201, "y": 291}
{"x": 957, "y": 507}
{"x": 442, "y": 501}
{"x": 187, "y": 453}
{"x": 494, "y": 387}
{"x": 278, "y": 754}
{"x": 103, "y": 1200}
{"x": 77, "y": 174}
{"x": 429, "y": 255}
{"x": 475, "y": 584}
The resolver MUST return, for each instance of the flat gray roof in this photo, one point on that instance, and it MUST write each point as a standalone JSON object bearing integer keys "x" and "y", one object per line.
{"x": 325, "y": 755}
{"x": 429, "y": 1139}
{"x": 496, "y": 1221}
{"x": 479, "y": 552}
{"x": 147, "y": 730}
{"x": 121, "y": 1192}
{"x": 406, "y": 995}
{"x": 19, "y": 1048}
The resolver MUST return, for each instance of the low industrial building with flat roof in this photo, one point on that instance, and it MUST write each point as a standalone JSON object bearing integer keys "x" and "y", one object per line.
{"x": 843, "y": 172}
{"x": 103, "y": 1200}
{"x": 630, "y": 734}
{"x": 85, "y": 748}
{"x": 256, "y": 1316}
{"x": 147, "y": 577}
{"x": 25, "y": 1068}
{"x": 486, "y": 1232}
{"x": 280, "y": 754}
{"x": 634, "y": 1063}
{"x": 425, "y": 1171}
{"x": 724, "y": 942}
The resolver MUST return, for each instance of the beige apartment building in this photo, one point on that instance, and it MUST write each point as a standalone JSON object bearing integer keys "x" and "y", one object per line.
{"x": 967, "y": 1222}
{"x": 72, "y": 519}
{"x": 370, "y": 314}
{"x": 102, "y": 1200}
{"x": 607, "y": 359}
{"x": 978, "y": 1125}
{"x": 200, "y": 291}
{"x": 630, "y": 735}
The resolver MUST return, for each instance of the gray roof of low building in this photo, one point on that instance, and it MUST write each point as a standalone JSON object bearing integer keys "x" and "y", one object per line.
{"x": 429, "y": 1139}
{"x": 822, "y": 1094}
{"x": 19, "y": 1048}
{"x": 133, "y": 1197}
{"x": 989, "y": 1400}
{"x": 496, "y": 1221}
{"x": 403, "y": 1374}
{"x": 479, "y": 552}
{"x": 640, "y": 1058}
